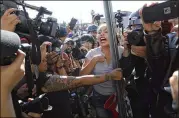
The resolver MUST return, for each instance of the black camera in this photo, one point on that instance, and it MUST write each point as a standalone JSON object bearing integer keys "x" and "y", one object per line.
{"x": 136, "y": 37}
{"x": 159, "y": 12}
{"x": 38, "y": 105}
{"x": 98, "y": 16}
{"x": 47, "y": 28}
{"x": 10, "y": 43}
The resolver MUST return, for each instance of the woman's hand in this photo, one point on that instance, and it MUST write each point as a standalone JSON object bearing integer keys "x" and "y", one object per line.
{"x": 99, "y": 58}
{"x": 116, "y": 74}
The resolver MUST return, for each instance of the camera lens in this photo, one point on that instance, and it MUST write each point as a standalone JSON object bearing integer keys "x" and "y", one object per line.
{"x": 136, "y": 38}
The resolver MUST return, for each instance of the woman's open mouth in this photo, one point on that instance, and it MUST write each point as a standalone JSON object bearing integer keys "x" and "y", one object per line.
{"x": 102, "y": 39}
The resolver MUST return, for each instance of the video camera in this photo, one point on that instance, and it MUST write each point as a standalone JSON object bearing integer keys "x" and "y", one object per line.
{"x": 38, "y": 105}
{"x": 98, "y": 16}
{"x": 118, "y": 16}
{"x": 47, "y": 28}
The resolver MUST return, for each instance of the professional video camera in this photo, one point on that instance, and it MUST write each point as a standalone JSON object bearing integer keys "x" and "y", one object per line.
{"x": 118, "y": 16}
{"x": 98, "y": 16}
{"x": 38, "y": 105}
{"x": 47, "y": 28}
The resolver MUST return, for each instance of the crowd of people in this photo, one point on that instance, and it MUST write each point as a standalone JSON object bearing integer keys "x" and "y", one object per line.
{"x": 87, "y": 62}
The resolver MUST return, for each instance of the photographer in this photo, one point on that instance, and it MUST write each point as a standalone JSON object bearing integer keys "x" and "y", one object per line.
{"x": 61, "y": 33}
{"x": 92, "y": 29}
{"x": 72, "y": 65}
{"x": 87, "y": 41}
{"x": 11, "y": 75}
{"x": 135, "y": 68}
{"x": 158, "y": 56}
{"x": 53, "y": 62}
{"x": 8, "y": 82}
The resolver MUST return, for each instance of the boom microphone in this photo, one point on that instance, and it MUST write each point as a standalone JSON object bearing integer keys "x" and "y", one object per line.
{"x": 10, "y": 43}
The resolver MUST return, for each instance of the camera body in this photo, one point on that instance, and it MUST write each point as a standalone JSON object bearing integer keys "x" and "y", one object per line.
{"x": 47, "y": 28}
{"x": 136, "y": 37}
{"x": 98, "y": 16}
{"x": 38, "y": 105}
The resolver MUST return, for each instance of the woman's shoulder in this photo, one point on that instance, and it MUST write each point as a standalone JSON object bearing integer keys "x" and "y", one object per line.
{"x": 94, "y": 50}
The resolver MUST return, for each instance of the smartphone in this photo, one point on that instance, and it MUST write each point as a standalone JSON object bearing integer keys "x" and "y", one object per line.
{"x": 159, "y": 12}
{"x": 72, "y": 23}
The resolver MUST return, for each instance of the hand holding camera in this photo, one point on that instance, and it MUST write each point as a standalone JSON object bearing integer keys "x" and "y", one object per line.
{"x": 52, "y": 58}
{"x": 9, "y": 20}
{"x": 8, "y": 78}
{"x": 139, "y": 51}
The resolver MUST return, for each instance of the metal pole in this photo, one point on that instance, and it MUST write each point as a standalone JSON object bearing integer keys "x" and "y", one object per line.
{"x": 114, "y": 53}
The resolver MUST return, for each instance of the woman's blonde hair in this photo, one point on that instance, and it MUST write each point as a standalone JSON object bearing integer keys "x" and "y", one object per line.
{"x": 101, "y": 25}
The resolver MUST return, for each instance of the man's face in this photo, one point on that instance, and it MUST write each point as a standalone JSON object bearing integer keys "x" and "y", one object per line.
{"x": 87, "y": 45}
{"x": 94, "y": 33}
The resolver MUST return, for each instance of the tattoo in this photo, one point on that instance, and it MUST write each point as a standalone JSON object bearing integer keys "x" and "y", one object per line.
{"x": 58, "y": 83}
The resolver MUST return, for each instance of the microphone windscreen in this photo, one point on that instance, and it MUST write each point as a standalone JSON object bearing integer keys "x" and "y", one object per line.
{"x": 10, "y": 43}
{"x": 10, "y": 4}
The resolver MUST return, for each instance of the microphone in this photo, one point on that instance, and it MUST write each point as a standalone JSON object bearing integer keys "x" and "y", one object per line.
{"x": 10, "y": 43}
{"x": 14, "y": 3}
{"x": 38, "y": 8}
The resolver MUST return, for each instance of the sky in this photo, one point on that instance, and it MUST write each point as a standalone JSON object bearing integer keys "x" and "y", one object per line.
{"x": 65, "y": 10}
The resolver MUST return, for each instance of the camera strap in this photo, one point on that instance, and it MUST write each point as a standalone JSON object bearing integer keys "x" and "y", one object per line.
{"x": 35, "y": 53}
